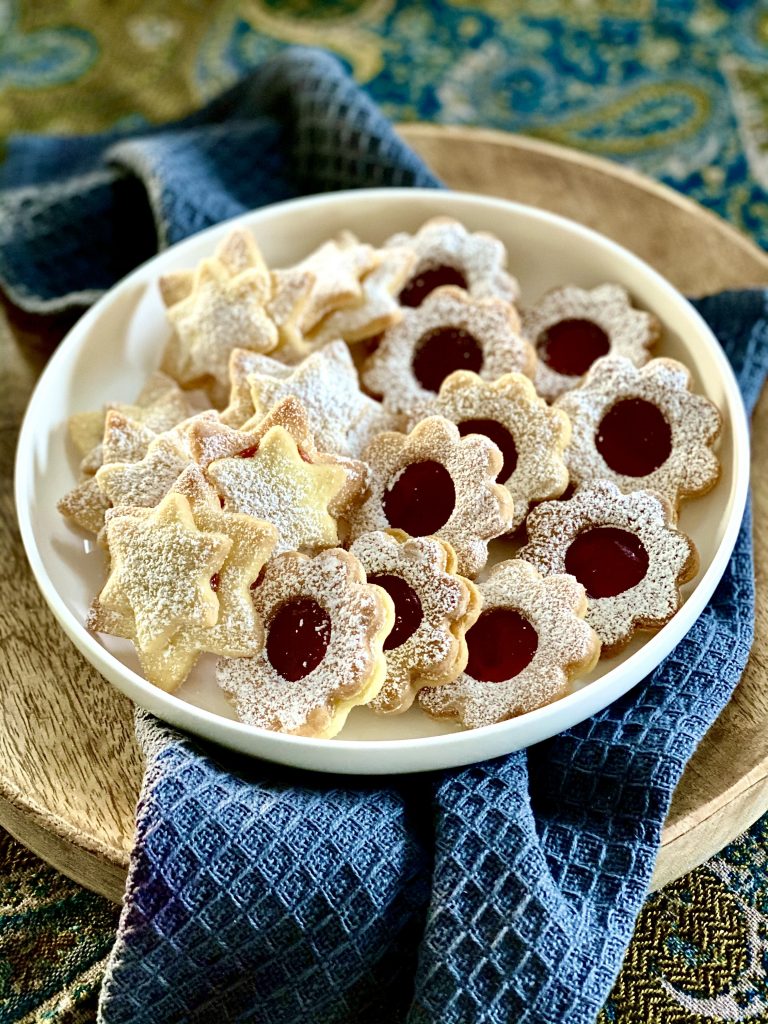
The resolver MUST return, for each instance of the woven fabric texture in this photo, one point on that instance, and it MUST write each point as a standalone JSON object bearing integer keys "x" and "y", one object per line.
{"x": 507, "y": 891}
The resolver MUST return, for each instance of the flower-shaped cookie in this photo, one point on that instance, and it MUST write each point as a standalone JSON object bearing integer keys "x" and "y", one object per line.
{"x": 446, "y": 253}
{"x": 529, "y": 643}
{"x": 433, "y": 481}
{"x": 325, "y": 627}
{"x": 237, "y": 631}
{"x": 641, "y": 427}
{"x": 623, "y": 549}
{"x": 378, "y": 308}
{"x": 449, "y": 331}
{"x": 342, "y": 419}
{"x": 161, "y": 570}
{"x": 571, "y": 328}
{"x": 530, "y": 434}
{"x": 433, "y": 610}
{"x": 221, "y": 313}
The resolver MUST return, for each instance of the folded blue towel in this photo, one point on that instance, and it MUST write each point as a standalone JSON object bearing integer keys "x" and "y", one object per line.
{"x": 504, "y": 892}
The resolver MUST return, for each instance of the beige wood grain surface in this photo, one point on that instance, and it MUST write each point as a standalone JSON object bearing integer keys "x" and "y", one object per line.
{"x": 69, "y": 765}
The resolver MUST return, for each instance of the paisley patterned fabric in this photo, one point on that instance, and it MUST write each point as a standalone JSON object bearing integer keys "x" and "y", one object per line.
{"x": 678, "y": 89}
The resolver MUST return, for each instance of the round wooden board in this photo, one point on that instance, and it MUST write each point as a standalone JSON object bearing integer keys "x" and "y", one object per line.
{"x": 70, "y": 768}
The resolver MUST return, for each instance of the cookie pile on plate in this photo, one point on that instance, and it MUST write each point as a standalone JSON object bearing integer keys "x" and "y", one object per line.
{"x": 308, "y": 486}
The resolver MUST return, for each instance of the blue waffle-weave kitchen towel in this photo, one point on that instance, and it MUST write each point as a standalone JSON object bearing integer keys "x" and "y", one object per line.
{"x": 501, "y": 893}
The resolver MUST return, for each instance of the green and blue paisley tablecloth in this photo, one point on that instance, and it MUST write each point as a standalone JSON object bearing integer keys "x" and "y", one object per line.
{"x": 677, "y": 89}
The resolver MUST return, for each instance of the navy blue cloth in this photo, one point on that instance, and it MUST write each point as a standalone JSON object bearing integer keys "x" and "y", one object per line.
{"x": 502, "y": 892}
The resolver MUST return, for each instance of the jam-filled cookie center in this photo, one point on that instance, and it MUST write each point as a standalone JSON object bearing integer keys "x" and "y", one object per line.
{"x": 606, "y": 560}
{"x": 425, "y": 281}
{"x": 501, "y": 437}
{"x": 571, "y": 346}
{"x": 634, "y": 438}
{"x": 408, "y": 610}
{"x": 421, "y": 499}
{"x": 443, "y": 350}
{"x": 298, "y": 638}
{"x": 501, "y": 644}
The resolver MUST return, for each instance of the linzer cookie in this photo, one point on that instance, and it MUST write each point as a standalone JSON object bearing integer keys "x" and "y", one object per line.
{"x": 571, "y": 328}
{"x": 433, "y": 610}
{"x": 623, "y": 549}
{"x": 641, "y": 427}
{"x": 447, "y": 254}
{"x": 530, "y": 434}
{"x": 325, "y": 627}
{"x": 377, "y": 308}
{"x": 342, "y": 419}
{"x": 529, "y": 643}
{"x": 449, "y": 331}
{"x": 161, "y": 570}
{"x": 237, "y": 631}
{"x": 433, "y": 481}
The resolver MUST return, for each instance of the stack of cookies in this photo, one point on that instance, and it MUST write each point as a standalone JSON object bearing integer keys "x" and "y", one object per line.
{"x": 308, "y": 486}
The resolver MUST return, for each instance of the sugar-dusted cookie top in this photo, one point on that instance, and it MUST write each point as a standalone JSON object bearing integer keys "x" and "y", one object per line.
{"x": 530, "y": 641}
{"x": 434, "y": 607}
{"x": 642, "y": 427}
{"x": 625, "y": 551}
{"x": 325, "y": 627}
{"x": 449, "y": 331}
{"x": 571, "y": 327}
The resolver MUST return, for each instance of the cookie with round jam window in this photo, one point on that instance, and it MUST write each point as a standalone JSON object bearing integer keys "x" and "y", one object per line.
{"x": 530, "y": 641}
{"x": 624, "y": 550}
{"x": 642, "y": 428}
{"x": 434, "y": 607}
{"x": 433, "y": 481}
{"x": 572, "y": 327}
{"x": 449, "y": 331}
{"x": 325, "y": 627}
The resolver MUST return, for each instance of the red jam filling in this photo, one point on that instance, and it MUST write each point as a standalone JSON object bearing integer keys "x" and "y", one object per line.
{"x": 408, "y": 612}
{"x": 442, "y": 351}
{"x": 419, "y": 287}
{"x": 421, "y": 499}
{"x": 215, "y": 582}
{"x": 634, "y": 438}
{"x": 501, "y": 644}
{"x": 298, "y": 638}
{"x": 501, "y": 437}
{"x": 247, "y": 453}
{"x": 607, "y": 561}
{"x": 571, "y": 346}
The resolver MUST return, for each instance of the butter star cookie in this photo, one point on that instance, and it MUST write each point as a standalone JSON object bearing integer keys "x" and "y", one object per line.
{"x": 530, "y": 434}
{"x": 571, "y": 327}
{"x": 447, "y": 254}
{"x": 530, "y": 641}
{"x": 449, "y": 331}
{"x": 161, "y": 569}
{"x": 433, "y": 481}
{"x": 642, "y": 428}
{"x": 325, "y": 627}
{"x": 434, "y": 607}
{"x": 625, "y": 551}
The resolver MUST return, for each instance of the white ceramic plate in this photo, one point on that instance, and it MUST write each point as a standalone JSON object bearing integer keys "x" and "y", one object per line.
{"x": 115, "y": 346}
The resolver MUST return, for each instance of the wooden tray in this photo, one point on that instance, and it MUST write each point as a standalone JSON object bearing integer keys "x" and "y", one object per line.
{"x": 70, "y": 769}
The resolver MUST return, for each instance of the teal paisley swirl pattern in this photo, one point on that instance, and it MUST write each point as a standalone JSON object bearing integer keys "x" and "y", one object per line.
{"x": 43, "y": 57}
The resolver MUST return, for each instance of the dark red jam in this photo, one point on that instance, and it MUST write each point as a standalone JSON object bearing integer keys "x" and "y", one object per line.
{"x": 442, "y": 351}
{"x": 634, "y": 438}
{"x": 607, "y": 561}
{"x": 421, "y": 499}
{"x": 571, "y": 346}
{"x": 408, "y": 612}
{"x": 298, "y": 638}
{"x": 501, "y": 644}
{"x": 419, "y": 287}
{"x": 215, "y": 582}
{"x": 247, "y": 453}
{"x": 501, "y": 437}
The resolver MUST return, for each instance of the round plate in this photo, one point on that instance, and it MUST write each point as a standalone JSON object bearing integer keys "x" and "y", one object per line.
{"x": 116, "y": 345}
